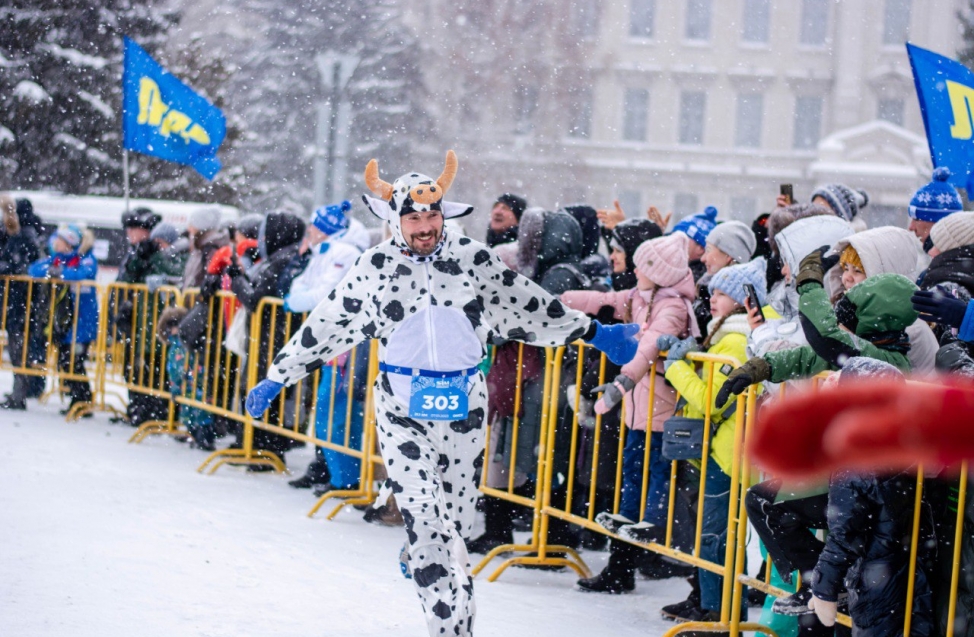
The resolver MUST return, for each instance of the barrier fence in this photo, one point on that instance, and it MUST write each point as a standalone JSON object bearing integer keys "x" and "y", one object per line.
{"x": 538, "y": 452}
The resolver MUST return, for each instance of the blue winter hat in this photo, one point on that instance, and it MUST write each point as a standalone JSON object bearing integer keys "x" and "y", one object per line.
{"x": 70, "y": 234}
{"x": 731, "y": 280}
{"x": 698, "y": 226}
{"x": 937, "y": 199}
{"x": 332, "y": 219}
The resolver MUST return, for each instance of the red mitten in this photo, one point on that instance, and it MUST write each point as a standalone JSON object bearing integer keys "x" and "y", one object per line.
{"x": 246, "y": 244}
{"x": 867, "y": 425}
{"x": 220, "y": 260}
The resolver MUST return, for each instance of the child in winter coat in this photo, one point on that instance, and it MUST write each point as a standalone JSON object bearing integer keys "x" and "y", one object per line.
{"x": 74, "y": 325}
{"x": 727, "y": 337}
{"x": 661, "y": 304}
{"x": 184, "y": 372}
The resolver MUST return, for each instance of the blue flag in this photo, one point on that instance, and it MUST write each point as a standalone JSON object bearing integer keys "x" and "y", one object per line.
{"x": 945, "y": 88}
{"x": 164, "y": 118}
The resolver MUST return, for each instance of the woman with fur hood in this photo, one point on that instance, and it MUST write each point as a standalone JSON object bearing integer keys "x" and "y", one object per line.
{"x": 661, "y": 304}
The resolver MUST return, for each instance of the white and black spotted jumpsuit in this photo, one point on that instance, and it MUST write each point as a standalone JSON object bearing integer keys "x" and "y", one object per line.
{"x": 435, "y": 314}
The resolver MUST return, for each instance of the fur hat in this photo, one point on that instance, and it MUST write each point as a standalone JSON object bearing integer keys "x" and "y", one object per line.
{"x": 936, "y": 200}
{"x": 731, "y": 280}
{"x": 663, "y": 260}
{"x": 171, "y": 317}
{"x": 953, "y": 231}
{"x": 734, "y": 239}
{"x": 843, "y": 200}
{"x": 516, "y": 203}
{"x": 332, "y": 219}
{"x": 412, "y": 192}
{"x": 205, "y": 219}
{"x": 698, "y": 226}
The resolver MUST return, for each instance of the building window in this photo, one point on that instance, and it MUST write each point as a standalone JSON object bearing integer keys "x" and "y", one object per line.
{"x": 890, "y": 110}
{"x": 641, "y": 18}
{"x": 757, "y": 21}
{"x": 635, "y": 115}
{"x": 750, "y": 111}
{"x": 815, "y": 22}
{"x": 586, "y": 17}
{"x": 685, "y": 203}
{"x": 631, "y": 201}
{"x": 896, "y": 22}
{"x": 698, "y": 20}
{"x": 743, "y": 208}
{"x": 693, "y": 106}
{"x": 580, "y": 123}
{"x": 808, "y": 122}
{"x": 525, "y": 107}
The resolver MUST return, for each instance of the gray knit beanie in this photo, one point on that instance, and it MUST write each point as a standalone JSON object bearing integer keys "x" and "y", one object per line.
{"x": 205, "y": 219}
{"x": 953, "y": 231}
{"x": 734, "y": 239}
{"x": 165, "y": 231}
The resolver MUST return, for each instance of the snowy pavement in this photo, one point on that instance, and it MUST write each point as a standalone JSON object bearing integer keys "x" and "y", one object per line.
{"x": 100, "y": 537}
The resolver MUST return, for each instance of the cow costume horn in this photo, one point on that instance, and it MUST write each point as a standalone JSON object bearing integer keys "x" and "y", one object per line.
{"x": 445, "y": 180}
{"x": 381, "y": 188}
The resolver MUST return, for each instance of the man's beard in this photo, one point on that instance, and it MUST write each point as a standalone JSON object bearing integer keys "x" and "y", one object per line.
{"x": 424, "y": 252}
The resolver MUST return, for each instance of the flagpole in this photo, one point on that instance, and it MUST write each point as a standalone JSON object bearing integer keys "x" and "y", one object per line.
{"x": 125, "y": 171}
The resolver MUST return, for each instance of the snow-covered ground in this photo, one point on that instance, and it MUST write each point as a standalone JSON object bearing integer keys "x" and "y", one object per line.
{"x": 100, "y": 537}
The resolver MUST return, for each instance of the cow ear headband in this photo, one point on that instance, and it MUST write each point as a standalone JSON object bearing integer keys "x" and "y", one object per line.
{"x": 429, "y": 193}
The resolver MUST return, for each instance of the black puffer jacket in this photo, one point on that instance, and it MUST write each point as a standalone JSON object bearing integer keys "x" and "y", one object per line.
{"x": 280, "y": 238}
{"x": 955, "y": 265}
{"x": 594, "y": 265}
{"x": 870, "y": 524}
{"x": 550, "y": 251}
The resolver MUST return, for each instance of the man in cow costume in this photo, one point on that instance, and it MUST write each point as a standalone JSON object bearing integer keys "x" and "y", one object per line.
{"x": 433, "y": 299}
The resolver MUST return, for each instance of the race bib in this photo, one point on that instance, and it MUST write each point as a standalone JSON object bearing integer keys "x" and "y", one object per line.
{"x": 438, "y": 398}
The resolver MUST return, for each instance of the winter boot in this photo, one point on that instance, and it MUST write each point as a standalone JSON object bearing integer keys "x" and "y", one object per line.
{"x": 13, "y": 405}
{"x": 619, "y": 575}
{"x": 687, "y": 609}
{"x": 653, "y": 566}
{"x": 317, "y": 473}
{"x": 499, "y": 527}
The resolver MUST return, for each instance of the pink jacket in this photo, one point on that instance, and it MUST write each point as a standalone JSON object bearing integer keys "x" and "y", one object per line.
{"x": 671, "y": 314}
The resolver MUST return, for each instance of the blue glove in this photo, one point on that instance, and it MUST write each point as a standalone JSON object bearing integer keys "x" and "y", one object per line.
{"x": 260, "y": 397}
{"x": 936, "y": 306}
{"x": 617, "y": 341}
{"x": 666, "y": 341}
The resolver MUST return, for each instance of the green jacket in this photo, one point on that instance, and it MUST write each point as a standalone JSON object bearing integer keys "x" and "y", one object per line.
{"x": 883, "y": 312}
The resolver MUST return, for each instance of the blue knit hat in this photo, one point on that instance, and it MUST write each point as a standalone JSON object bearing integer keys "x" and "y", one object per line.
{"x": 698, "y": 226}
{"x": 332, "y": 219}
{"x": 731, "y": 280}
{"x": 937, "y": 199}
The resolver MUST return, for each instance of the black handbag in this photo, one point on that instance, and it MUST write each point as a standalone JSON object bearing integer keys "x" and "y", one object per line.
{"x": 683, "y": 437}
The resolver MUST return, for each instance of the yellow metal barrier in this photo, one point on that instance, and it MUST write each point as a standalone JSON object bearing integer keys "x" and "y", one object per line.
{"x": 43, "y": 339}
{"x": 270, "y": 329}
{"x": 537, "y": 551}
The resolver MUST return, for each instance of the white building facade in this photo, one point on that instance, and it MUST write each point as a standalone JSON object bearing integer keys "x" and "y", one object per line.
{"x": 689, "y": 103}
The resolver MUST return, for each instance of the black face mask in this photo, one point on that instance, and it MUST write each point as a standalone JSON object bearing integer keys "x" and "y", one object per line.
{"x": 927, "y": 244}
{"x": 495, "y": 238}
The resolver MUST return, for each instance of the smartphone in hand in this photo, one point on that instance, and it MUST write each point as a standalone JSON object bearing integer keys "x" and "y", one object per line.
{"x": 788, "y": 191}
{"x": 752, "y": 298}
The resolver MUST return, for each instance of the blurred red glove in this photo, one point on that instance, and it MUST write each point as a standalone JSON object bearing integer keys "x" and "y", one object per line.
{"x": 246, "y": 244}
{"x": 220, "y": 260}
{"x": 868, "y": 425}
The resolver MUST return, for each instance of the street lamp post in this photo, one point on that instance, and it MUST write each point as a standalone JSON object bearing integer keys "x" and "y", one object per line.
{"x": 334, "y": 122}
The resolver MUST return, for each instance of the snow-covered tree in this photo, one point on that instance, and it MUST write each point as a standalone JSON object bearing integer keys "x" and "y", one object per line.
{"x": 966, "y": 20}
{"x": 279, "y": 86}
{"x": 60, "y": 89}
{"x": 60, "y": 99}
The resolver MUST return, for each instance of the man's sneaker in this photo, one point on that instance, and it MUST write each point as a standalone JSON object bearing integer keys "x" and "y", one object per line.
{"x": 645, "y": 532}
{"x": 404, "y": 562}
{"x": 797, "y": 603}
{"x": 612, "y": 522}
